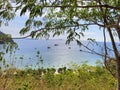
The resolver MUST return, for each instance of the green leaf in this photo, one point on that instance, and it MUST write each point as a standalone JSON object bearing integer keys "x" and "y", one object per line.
{"x": 28, "y": 22}
{"x": 37, "y": 24}
{"x": 24, "y": 30}
{"x": 78, "y": 42}
{"x": 38, "y": 35}
{"x": 57, "y": 33}
{"x": 33, "y": 34}
{"x": 90, "y": 39}
{"x": 24, "y": 9}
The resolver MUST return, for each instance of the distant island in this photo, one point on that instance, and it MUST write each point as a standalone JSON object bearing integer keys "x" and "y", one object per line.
{"x": 5, "y": 38}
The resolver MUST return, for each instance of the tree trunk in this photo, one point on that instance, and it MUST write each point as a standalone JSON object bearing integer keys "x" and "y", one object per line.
{"x": 117, "y": 56}
{"x": 118, "y": 32}
{"x": 118, "y": 71}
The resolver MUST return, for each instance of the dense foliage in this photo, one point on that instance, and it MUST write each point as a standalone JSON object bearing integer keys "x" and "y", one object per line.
{"x": 82, "y": 77}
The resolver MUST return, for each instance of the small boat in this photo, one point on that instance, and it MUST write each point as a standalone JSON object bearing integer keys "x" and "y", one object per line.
{"x": 48, "y": 47}
{"x": 55, "y": 44}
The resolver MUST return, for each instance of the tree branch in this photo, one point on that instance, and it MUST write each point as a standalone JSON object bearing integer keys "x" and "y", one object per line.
{"x": 92, "y": 51}
{"x": 53, "y": 28}
{"x": 117, "y": 27}
{"x": 21, "y": 37}
{"x": 87, "y": 6}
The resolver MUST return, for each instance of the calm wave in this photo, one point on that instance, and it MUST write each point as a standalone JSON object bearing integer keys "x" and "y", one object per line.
{"x": 54, "y": 53}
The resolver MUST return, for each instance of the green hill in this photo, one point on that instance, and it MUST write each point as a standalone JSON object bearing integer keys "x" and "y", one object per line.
{"x": 5, "y": 38}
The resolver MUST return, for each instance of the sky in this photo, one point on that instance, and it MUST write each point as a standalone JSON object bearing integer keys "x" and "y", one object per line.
{"x": 18, "y": 23}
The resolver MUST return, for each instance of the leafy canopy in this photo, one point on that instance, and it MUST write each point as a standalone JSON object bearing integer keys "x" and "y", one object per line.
{"x": 6, "y": 11}
{"x": 62, "y": 16}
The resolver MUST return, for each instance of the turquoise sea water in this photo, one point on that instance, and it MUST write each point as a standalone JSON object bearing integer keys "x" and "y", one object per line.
{"x": 54, "y": 53}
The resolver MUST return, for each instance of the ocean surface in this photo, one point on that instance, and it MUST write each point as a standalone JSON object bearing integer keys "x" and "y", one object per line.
{"x": 54, "y": 53}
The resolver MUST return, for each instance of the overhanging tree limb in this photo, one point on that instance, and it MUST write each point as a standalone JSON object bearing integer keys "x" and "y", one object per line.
{"x": 85, "y": 6}
{"x": 53, "y": 28}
